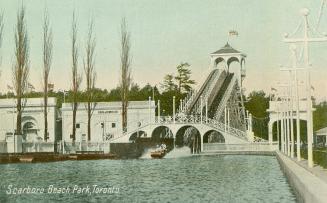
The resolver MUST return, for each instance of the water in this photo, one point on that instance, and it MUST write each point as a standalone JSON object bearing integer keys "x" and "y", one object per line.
{"x": 214, "y": 178}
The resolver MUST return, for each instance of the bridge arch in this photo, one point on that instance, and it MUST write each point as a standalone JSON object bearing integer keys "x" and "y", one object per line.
{"x": 161, "y": 132}
{"x": 136, "y": 135}
{"x": 188, "y": 136}
{"x": 213, "y": 136}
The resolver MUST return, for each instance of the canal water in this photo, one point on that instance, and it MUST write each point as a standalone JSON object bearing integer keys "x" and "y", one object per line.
{"x": 197, "y": 178}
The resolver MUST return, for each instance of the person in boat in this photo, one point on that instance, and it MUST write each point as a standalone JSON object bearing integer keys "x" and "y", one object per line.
{"x": 163, "y": 147}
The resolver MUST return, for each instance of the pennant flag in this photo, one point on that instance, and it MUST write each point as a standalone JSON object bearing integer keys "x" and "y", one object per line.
{"x": 233, "y": 33}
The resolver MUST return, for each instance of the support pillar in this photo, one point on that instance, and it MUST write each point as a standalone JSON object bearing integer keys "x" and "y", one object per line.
{"x": 174, "y": 118}
{"x": 201, "y": 107}
{"x": 158, "y": 111}
{"x": 270, "y": 135}
{"x": 225, "y": 118}
{"x": 228, "y": 119}
{"x": 206, "y": 110}
{"x": 282, "y": 130}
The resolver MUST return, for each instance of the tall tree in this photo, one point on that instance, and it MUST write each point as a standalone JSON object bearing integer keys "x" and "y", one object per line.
{"x": 125, "y": 69}
{"x": 47, "y": 59}
{"x": 1, "y": 31}
{"x": 90, "y": 75}
{"x": 76, "y": 76}
{"x": 20, "y": 69}
{"x": 168, "y": 83}
{"x": 183, "y": 78}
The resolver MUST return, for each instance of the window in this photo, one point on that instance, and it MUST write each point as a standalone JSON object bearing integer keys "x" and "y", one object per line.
{"x": 77, "y": 125}
{"x": 113, "y": 125}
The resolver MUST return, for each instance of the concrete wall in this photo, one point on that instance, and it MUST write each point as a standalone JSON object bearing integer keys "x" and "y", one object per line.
{"x": 307, "y": 186}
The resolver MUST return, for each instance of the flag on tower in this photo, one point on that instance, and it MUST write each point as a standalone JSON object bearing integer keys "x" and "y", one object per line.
{"x": 233, "y": 33}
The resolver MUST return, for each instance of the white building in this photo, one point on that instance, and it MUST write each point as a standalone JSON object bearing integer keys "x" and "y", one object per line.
{"x": 32, "y": 138}
{"x": 106, "y": 119}
{"x": 32, "y": 119}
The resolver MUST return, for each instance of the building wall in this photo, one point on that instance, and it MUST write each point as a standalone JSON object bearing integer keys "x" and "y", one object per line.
{"x": 32, "y": 119}
{"x": 106, "y": 119}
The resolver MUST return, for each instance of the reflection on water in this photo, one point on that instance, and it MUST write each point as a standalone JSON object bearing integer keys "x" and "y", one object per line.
{"x": 215, "y": 178}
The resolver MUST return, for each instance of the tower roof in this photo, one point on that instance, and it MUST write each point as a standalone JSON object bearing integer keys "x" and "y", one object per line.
{"x": 227, "y": 49}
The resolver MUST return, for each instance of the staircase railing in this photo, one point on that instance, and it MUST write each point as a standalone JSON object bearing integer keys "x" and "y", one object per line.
{"x": 225, "y": 98}
{"x": 206, "y": 87}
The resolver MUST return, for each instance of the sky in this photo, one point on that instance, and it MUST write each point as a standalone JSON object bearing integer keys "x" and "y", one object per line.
{"x": 164, "y": 34}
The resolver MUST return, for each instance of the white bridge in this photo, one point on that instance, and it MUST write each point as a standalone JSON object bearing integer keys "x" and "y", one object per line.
{"x": 211, "y": 117}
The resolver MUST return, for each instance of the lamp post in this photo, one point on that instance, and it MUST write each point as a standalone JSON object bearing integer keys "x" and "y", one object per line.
{"x": 149, "y": 106}
{"x": 13, "y": 123}
{"x": 305, "y": 40}
{"x": 174, "y": 109}
{"x": 297, "y": 103}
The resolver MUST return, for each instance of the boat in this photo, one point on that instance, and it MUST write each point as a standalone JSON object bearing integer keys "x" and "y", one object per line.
{"x": 160, "y": 152}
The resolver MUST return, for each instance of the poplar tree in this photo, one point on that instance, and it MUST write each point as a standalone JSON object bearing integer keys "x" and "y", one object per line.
{"x": 47, "y": 59}
{"x": 20, "y": 70}
{"x": 125, "y": 63}
{"x": 76, "y": 76}
{"x": 90, "y": 76}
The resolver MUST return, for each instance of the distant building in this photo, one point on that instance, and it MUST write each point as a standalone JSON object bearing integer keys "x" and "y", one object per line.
{"x": 321, "y": 136}
{"x": 106, "y": 122}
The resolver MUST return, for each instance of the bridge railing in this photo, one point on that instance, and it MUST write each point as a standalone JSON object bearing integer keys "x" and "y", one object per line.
{"x": 180, "y": 118}
{"x": 191, "y": 119}
{"x": 222, "y": 127}
{"x": 141, "y": 124}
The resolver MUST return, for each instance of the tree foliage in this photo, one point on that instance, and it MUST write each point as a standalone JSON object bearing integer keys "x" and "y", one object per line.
{"x": 168, "y": 83}
{"x": 183, "y": 78}
{"x": 257, "y": 104}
